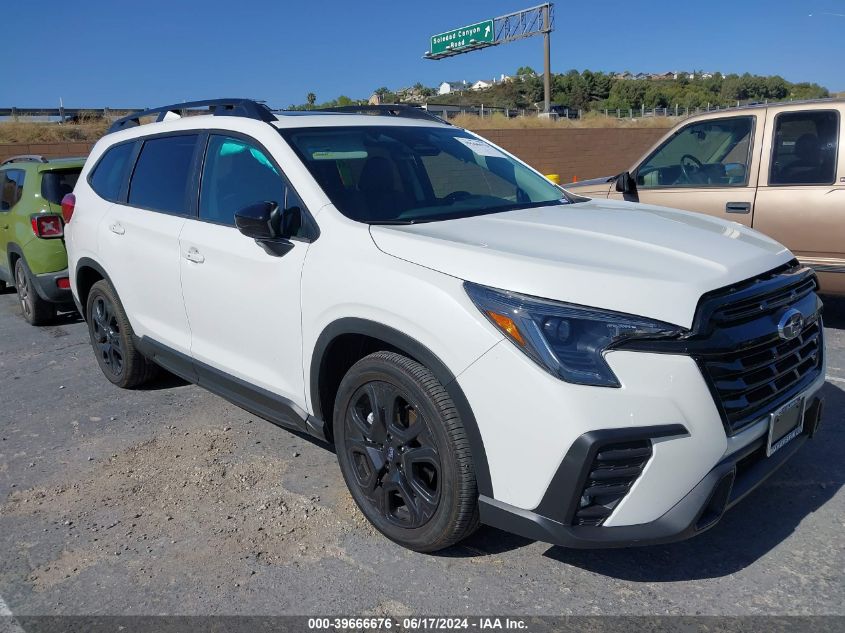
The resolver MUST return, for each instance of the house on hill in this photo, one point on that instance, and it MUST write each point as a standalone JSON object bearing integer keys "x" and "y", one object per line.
{"x": 481, "y": 84}
{"x": 448, "y": 87}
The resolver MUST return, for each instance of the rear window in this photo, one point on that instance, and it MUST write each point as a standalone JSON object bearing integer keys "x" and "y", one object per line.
{"x": 109, "y": 174}
{"x": 163, "y": 173}
{"x": 56, "y": 184}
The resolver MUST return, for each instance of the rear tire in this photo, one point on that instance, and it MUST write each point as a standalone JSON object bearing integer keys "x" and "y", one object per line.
{"x": 111, "y": 337}
{"x": 35, "y": 310}
{"x": 404, "y": 453}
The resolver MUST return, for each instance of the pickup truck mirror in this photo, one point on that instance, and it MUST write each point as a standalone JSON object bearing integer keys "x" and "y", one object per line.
{"x": 269, "y": 225}
{"x": 625, "y": 183}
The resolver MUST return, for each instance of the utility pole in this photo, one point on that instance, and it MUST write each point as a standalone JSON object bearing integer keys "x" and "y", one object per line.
{"x": 547, "y": 61}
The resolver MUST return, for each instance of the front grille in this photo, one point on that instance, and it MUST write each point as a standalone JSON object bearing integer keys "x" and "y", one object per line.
{"x": 751, "y": 381}
{"x": 743, "y": 310}
{"x": 748, "y": 367}
{"x": 751, "y": 370}
{"x": 614, "y": 470}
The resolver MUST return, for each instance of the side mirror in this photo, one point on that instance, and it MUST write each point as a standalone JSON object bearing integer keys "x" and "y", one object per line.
{"x": 269, "y": 225}
{"x": 626, "y": 184}
{"x": 259, "y": 221}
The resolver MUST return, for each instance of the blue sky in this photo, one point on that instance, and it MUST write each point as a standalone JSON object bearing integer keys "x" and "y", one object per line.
{"x": 98, "y": 53}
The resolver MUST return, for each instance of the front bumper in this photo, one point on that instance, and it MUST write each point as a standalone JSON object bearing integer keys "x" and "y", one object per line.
{"x": 46, "y": 285}
{"x": 724, "y": 486}
{"x": 532, "y": 425}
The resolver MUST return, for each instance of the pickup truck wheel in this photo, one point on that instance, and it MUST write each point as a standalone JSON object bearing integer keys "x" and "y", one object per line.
{"x": 111, "y": 338}
{"x": 35, "y": 310}
{"x": 404, "y": 453}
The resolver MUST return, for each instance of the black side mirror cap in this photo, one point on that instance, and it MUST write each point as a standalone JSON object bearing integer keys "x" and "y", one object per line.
{"x": 269, "y": 226}
{"x": 259, "y": 221}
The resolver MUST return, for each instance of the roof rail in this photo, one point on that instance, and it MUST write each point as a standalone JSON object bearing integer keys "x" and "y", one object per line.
{"x": 25, "y": 158}
{"x": 245, "y": 108}
{"x": 403, "y": 110}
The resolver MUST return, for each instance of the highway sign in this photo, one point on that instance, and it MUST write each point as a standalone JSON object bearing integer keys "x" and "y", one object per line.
{"x": 471, "y": 36}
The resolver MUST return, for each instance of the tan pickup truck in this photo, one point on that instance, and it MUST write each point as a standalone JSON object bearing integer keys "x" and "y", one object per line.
{"x": 777, "y": 168}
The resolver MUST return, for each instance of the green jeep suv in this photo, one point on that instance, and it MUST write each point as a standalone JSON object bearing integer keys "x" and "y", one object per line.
{"x": 32, "y": 246}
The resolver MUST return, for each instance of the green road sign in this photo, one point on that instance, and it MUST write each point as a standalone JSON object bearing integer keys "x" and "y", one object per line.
{"x": 464, "y": 37}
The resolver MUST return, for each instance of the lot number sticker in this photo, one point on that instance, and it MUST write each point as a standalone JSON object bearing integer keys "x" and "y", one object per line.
{"x": 480, "y": 147}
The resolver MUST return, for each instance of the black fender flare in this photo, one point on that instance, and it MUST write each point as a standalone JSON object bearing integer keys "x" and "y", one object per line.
{"x": 87, "y": 262}
{"x": 418, "y": 351}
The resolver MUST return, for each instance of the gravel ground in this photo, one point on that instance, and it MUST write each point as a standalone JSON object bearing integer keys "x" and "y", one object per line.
{"x": 169, "y": 500}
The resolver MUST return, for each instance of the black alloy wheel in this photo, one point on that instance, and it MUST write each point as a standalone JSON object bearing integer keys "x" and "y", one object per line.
{"x": 105, "y": 336}
{"x": 113, "y": 339}
{"x": 395, "y": 460}
{"x": 404, "y": 453}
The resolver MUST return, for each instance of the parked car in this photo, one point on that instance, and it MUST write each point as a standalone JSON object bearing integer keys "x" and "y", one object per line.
{"x": 479, "y": 345}
{"x": 32, "y": 249}
{"x": 777, "y": 168}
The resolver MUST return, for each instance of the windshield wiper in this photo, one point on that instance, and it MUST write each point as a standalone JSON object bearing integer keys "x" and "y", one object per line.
{"x": 389, "y": 222}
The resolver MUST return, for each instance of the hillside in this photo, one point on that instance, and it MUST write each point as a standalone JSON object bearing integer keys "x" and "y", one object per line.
{"x": 597, "y": 91}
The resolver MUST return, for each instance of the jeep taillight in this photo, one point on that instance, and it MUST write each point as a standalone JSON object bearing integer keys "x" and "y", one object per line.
{"x": 68, "y": 205}
{"x": 47, "y": 226}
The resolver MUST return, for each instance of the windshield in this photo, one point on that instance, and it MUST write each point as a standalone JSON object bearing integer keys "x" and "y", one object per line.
{"x": 392, "y": 174}
{"x": 55, "y": 184}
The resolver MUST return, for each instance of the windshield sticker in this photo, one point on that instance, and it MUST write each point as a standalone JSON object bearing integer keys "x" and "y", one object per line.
{"x": 327, "y": 154}
{"x": 338, "y": 147}
{"x": 480, "y": 147}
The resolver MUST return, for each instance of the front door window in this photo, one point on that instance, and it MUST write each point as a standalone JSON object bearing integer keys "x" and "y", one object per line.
{"x": 713, "y": 153}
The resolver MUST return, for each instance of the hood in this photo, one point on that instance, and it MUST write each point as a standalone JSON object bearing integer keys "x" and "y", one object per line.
{"x": 640, "y": 259}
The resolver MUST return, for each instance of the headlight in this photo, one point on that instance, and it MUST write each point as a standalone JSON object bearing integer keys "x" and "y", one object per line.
{"x": 566, "y": 340}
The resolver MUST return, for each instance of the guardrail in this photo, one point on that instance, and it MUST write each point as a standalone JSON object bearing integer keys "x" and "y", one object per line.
{"x": 66, "y": 113}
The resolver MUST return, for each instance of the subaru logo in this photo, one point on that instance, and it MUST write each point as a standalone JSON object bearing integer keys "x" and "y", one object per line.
{"x": 391, "y": 453}
{"x": 791, "y": 324}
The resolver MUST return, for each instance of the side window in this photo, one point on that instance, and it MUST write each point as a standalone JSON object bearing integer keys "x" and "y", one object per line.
{"x": 162, "y": 175}
{"x": 804, "y": 148}
{"x": 237, "y": 174}
{"x": 713, "y": 153}
{"x": 12, "y": 187}
{"x": 110, "y": 173}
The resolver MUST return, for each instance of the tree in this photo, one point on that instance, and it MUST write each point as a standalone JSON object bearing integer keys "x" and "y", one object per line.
{"x": 311, "y": 98}
{"x": 525, "y": 71}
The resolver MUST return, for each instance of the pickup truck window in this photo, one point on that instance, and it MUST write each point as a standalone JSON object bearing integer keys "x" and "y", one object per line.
{"x": 804, "y": 148}
{"x": 712, "y": 153}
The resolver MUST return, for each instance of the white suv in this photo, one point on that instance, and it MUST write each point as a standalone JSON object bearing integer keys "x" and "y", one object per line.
{"x": 479, "y": 345}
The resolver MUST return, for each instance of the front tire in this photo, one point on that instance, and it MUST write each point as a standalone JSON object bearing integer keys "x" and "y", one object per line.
{"x": 35, "y": 310}
{"x": 404, "y": 453}
{"x": 111, "y": 337}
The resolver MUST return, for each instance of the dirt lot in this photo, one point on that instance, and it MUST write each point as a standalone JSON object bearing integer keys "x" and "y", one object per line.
{"x": 169, "y": 500}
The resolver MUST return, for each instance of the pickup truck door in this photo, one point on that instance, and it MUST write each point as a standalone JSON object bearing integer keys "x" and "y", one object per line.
{"x": 801, "y": 194}
{"x": 709, "y": 166}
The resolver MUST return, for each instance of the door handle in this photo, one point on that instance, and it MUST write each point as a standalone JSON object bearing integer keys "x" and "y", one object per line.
{"x": 193, "y": 255}
{"x": 738, "y": 207}
{"x": 117, "y": 228}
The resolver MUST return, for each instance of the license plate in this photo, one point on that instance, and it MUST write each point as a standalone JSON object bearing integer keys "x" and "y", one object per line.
{"x": 785, "y": 425}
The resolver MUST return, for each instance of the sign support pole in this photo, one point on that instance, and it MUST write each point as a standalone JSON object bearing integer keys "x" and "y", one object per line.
{"x": 547, "y": 63}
